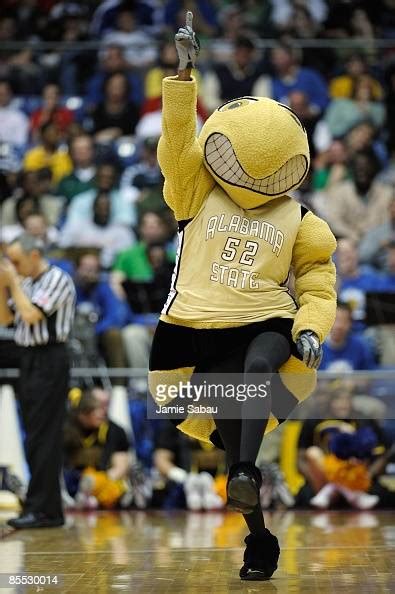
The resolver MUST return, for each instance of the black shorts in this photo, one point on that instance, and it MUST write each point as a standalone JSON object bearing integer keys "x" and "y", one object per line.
{"x": 175, "y": 346}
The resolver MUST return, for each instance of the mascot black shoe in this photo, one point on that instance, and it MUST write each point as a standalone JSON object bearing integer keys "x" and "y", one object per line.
{"x": 244, "y": 483}
{"x": 260, "y": 557}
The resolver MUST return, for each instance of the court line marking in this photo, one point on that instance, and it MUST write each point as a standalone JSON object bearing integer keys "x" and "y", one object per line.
{"x": 183, "y": 550}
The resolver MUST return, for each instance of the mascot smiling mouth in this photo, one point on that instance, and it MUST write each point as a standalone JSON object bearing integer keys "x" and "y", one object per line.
{"x": 222, "y": 160}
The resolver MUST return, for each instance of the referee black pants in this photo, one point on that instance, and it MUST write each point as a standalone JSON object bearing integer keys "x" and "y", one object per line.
{"x": 44, "y": 383}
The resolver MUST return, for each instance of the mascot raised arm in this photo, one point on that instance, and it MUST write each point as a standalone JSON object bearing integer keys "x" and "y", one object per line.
{"x": 229, "y": 308}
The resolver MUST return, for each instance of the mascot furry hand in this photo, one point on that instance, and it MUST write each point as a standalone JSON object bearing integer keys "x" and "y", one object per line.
{"x": 240, "y": 233}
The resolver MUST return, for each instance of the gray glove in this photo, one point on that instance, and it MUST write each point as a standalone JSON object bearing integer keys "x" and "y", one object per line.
{"x": 309, "y": 348}
{"x": 187, "y": 44}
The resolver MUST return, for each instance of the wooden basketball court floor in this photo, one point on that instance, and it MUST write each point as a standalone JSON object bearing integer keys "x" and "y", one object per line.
{"x": 189, "y": 552}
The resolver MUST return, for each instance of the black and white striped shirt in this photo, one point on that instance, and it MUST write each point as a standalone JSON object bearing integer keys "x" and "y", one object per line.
{"x": 54, "y": 293}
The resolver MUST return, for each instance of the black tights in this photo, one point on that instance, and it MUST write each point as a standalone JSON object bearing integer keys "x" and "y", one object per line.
{"x": 242, "y": 437}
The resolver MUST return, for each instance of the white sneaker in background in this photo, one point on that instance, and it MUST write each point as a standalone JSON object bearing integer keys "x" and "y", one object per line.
{"x": 359, "y": 499}
{"x": 193, "y": 492}
{"x": 86, "y": 484}
{"x": 324, "y": 497}
{"x": 68, "y": 501}
{"x": 84, "y": 501}
{"x": 210, "y": 499}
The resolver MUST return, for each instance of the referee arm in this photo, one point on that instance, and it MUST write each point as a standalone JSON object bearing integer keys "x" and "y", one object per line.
{"x": 6, "y": 315}
{"x": 9, "y": 279}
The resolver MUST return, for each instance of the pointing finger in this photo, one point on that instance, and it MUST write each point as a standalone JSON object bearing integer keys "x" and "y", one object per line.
{"x": 189, "y": 19}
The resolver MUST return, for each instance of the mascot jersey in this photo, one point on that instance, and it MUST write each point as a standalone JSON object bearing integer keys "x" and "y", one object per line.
{"x": 240, "y": 234}
{"x": 238, "y": 274}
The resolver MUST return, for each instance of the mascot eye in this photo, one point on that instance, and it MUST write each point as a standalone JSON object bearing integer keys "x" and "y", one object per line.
{"x": 234, "y": 104}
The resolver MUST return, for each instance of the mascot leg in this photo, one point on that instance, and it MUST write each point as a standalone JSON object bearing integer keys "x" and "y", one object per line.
{"x": 242, "y": 439}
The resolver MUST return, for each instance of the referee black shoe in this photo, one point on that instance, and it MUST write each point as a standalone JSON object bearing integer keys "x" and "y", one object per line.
{"x": 35, "y": 520}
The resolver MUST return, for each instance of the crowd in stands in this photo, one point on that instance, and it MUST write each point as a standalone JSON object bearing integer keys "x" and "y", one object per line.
{"x": 79, "y": 127}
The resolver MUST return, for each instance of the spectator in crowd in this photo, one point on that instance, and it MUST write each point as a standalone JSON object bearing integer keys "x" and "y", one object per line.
{"x": 138, "y": 46}
{"x": 150, "y": 123}
{"x": 342, "y": 351}
{"x": 146, "y": 177}
{"x": 82, "y": 177}
{"x": 360, "y": 479}
{"x": 36, "y": 225}
{"x": 23, "y": 208}
{"x": 302, "y": 20}
{"x": 14, "y": 124}
{"x": 146, "y": 172}
{"x": 341, "y": 23}
{"x": 290, "y": 76}
{"x": 149, "y": 297}
{"x": 317, "y": 131}
{"x": 355, "y": 68}
{"x": 31, "y": 222}
{"x": 247, "y": 14}
{"x": 361, "y": 25}
{"x": 49, "y": 153}
{"x": 95, "y": 295}
{"x": 68, "y": 22}
{"x": 51, "y": 111}
{"x": 384, "y": 18}
{"x": 366, "y": 137}
{"x": 26, "y": 19}
{"x": 32, "y": 194}
{"x": 112, "y": 61}
{"x": 133, "y": 264}
{"x": 389, "y": 76}
{"x": 354, "y": 282}
{"x": 10, "y": 166}
{"x": 97, "y": 453}
{"x": 146, "y": 299}
{"x": 300, "y": 24}
{"x": 174, "y": 460}
{"x": 141, "y": 276}
{"x": 149, "y": 16}
{"x": 331, "y": 166}
{"x": 242, "y": 75}
{"x": 18, "y": 65}
{"x": 167, "y": 65}
{"x": 116, "y": 115}
{"x": 204, "y": 15}
{"x": 387, "y": 175}
{"x": 106, "y": 181}
{"x": 234, "y": 21}
{"x": 372, "y": 249}
{"x": 344, "y": 113}
{"x": 354, "y": 206}
{"x": 388, "y": 285}
{"x": 283, "y": 13}
{"x": 98, "y": 231}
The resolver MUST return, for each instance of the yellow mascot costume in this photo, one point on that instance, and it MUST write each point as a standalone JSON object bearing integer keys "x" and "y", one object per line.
{"x": 240, "y": 237}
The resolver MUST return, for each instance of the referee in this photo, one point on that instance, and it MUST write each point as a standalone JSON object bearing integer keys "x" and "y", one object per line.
{"x": 41, "y": 305}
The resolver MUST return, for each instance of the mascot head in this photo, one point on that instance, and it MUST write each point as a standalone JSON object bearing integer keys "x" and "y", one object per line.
{"x": 256, "y": 149}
